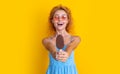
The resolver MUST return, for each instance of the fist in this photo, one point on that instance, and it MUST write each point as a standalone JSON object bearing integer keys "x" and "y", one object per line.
{"x": 62, "y": 56}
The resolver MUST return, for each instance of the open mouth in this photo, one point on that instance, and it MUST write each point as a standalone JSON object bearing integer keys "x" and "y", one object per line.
{"x": 60, "y": 24}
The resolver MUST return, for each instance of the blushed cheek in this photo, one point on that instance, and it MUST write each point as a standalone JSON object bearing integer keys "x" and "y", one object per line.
{"x": 54, "y": 22}
{"x": 66, "y": 21}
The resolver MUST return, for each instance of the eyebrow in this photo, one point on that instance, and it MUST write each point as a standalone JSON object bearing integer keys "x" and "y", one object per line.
{"x": 58, "y": 14}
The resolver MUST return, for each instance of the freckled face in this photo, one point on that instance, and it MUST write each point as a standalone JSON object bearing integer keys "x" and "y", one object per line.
{"x": 60, "y": 19}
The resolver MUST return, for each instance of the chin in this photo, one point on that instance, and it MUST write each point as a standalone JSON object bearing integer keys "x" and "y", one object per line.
{"x": 60, "y": 29}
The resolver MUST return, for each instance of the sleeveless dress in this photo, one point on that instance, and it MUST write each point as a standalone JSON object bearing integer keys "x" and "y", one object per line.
{"x": 58, "y": 67}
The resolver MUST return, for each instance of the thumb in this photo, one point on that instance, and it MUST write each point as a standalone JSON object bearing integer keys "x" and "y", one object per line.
{"x": 60, "y": 51}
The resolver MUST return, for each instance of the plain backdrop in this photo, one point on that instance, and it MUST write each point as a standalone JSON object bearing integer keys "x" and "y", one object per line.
{"x": 24, "y": 23}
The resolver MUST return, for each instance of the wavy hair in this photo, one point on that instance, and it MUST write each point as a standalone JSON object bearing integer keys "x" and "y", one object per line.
{"x": 67, "y": 10}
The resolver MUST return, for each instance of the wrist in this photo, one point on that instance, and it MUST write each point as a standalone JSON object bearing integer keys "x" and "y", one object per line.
{"x": 54, "y": 54}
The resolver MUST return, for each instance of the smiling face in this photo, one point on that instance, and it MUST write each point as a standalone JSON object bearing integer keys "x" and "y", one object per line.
{"x": 60, "y": 20}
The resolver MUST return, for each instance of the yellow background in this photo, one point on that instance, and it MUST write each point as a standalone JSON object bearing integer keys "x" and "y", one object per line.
{"x": 23, "y": 24}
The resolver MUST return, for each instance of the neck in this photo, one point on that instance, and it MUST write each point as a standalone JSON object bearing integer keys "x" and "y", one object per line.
{"x": 62, "y": 32}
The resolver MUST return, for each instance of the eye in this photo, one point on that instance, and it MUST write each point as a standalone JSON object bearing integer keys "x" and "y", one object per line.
{"x": 55, "y": 18}
{"x": 64, "y": 17}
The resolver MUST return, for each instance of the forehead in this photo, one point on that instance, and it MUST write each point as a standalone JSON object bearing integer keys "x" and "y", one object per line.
{"x": 60, "y": 12}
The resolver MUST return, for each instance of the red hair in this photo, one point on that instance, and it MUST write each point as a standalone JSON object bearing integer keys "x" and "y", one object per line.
{"x": 67, "y": 10}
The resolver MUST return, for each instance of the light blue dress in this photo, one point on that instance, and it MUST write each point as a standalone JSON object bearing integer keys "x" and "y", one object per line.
{"x": 58, "y": 67}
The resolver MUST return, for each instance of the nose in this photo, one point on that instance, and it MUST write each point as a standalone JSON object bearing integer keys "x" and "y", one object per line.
{"x": 59, "y": 19}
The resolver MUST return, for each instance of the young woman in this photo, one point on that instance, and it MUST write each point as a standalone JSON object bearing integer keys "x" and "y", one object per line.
{"x": 61, "y": 62}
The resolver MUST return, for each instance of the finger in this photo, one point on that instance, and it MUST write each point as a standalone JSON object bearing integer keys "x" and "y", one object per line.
{"x": 63, "y": 60}
{"x": 59, "y": 59}
{"x": 57, "y": 55}
{"x": 63, "y": 52}
{"x": 62, "y": 56}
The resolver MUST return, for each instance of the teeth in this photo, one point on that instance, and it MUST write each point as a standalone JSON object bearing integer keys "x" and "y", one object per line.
{"x": 60, "y": 24}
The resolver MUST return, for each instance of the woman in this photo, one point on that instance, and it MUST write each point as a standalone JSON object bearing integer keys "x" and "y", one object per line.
{"x": 61, "y": 62}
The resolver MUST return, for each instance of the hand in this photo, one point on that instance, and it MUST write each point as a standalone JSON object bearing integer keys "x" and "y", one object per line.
{"x": 62, "y": 56}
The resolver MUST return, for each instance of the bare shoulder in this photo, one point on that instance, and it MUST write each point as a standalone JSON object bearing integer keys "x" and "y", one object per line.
{"x": 46, "y": 40}
{"x": 76, "y": 39}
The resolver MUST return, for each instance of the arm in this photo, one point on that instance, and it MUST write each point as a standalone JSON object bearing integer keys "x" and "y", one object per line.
{"x": 63, "y": 55}
{"x": 73, "y": 45}
{"x": 49, "y": 46}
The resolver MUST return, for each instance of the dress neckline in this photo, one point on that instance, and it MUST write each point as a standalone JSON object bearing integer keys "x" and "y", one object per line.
{"x": 62, "y": 48}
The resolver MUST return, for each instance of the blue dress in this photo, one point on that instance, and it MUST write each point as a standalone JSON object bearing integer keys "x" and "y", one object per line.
{"x": 58, "y": 67}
